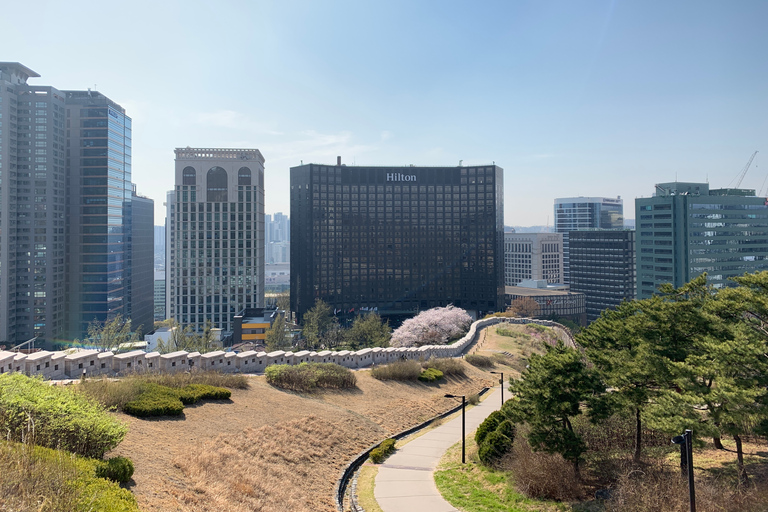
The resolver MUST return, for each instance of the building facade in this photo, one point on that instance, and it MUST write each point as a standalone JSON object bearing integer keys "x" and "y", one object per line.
{"x": 32, "y": 208}
{"x": 99, "y": 199}
{"x": 141, "y": 304}
{"x": 533, "y": 256}
{"x": 686, "y": 229}
{"x": 603, "y": 268}
{"x": 215, "y": 236}
{"x": 578, "y": 213}
{"x": 396, "y": 240}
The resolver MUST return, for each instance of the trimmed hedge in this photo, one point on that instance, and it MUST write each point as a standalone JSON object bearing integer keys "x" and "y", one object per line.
{"x": 35, "y": 412}
{"x": 384, "y": 450}
{"x": 117, "y": 469}
{"x": 310, "y": 376}
{"x": 157, "y": 400}
{"x": 430, "y": 375}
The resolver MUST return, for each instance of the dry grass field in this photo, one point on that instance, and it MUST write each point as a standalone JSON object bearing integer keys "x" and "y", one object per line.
{"x": 272, "y": 450}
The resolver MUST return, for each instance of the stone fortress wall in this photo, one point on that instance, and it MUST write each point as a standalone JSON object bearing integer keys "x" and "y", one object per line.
{"x": 90, "y": 363}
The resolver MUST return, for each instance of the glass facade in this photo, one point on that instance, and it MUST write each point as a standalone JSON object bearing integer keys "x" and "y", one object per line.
{"x": 688, "y": 229}
{"x": 99, "y": 170}
{"x": 603, "y": 268}
{"x": 396, "y": 240}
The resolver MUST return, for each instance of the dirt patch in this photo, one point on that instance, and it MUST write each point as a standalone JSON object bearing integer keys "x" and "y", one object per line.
{"x": 267, "y": 449}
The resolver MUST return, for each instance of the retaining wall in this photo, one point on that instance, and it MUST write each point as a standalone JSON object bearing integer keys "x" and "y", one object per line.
{"x": 62, "y": 365}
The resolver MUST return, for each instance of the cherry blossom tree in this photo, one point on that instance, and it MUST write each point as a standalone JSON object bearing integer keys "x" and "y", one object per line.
{"x": 434, "y": 326}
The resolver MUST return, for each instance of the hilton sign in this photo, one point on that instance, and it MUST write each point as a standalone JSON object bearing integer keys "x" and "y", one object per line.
{"x": 396, "y": 176}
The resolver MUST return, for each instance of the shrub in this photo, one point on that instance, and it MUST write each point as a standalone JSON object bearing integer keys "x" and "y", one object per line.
{"x": 117, "y": 469}
{"x": 155, "y": 400}
{"x": 541, "y": 475}
{"x": 381, "y": 452}
{"x": 211, "y": 378}
{"x": 494, "y": 447}
{"x": 193, "y": 393}
{"x": 35, "y": 412}
{"x": 430, "y": 375}
{"x": 502, "y": 330}
{"x": 488, "y": 425}
{"x": 36, "y": 478}
{"x": 473, "y": 399}
{"x": 507, "y": 428}
{"x": 447, "y": 365}
{"x": 310, "y": 376}
{"x": 479, "y": 361}
{"x": 399, "y": 370}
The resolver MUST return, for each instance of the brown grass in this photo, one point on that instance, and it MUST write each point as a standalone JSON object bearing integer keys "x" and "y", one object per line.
{"x": 525, "y": 340}
{"x": 274, "y": 450}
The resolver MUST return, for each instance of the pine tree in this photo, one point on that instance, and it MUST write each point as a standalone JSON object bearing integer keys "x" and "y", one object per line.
{"x": 549, "y": 393}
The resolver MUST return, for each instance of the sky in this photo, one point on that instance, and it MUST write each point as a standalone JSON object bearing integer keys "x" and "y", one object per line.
{"x": 588, "y": 98}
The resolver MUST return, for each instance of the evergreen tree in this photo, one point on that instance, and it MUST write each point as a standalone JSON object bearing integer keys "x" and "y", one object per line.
{"x": 276, "y": 336}
{"x": 317, "y": 322}
{"x": 549, "y": 393}
{"x": 368, "y": 331}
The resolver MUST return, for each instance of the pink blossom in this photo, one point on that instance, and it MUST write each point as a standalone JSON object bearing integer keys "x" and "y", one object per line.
{"x": 434, "y": 326}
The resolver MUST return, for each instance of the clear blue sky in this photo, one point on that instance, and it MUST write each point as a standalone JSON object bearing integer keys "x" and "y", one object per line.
{"x": 592, "y": 98}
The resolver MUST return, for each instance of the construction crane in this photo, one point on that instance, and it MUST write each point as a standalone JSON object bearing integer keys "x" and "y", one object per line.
{"x": 743, "y": 172}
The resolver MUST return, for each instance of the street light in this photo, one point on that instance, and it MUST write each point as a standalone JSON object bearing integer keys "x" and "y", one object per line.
{"x": 463, "y": 425}
{"x": 686, "y": 463}
{"x": 501, "y": 385}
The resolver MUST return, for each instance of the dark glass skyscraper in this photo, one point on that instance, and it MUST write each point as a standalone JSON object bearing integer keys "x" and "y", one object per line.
{"x": 99, "y": 194}
{"x": 397, "y": 239}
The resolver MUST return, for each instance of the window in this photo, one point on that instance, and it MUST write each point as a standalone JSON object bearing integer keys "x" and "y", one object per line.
{"x": 244, "y": 176}
{"x": 188, "y": 176}
{"x": 217, "y": 185}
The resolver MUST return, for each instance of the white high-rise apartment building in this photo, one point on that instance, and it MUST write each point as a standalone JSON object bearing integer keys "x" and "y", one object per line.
{"x": 533, "y": 256}
{"x": 215, "y": 236}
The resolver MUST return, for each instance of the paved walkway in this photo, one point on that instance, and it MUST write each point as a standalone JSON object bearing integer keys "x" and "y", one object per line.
{"x": 405, "y": 482}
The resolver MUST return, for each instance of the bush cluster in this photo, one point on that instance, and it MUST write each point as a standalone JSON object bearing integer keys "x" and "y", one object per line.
{"x": 381, "y": 452}
{"x": 430, "y": 375}
{"x": 157, "y": 400}
{"x": 479, "y": 361}
{"x": 35, "y": 412}
{"x": 117, "y": 469}
{"x": 494, "y": 437}
{"x": 399, "y": 370}
{"x": 447, "y": 365}
{"x": 310, "y": 376}
{"x": 36, "y": 478}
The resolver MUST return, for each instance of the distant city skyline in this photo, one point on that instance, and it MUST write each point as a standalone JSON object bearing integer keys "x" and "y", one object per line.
{"x": 602, "y": 98}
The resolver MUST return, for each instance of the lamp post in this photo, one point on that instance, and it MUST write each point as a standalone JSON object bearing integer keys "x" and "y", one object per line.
{"x": 463, "y": 425}
{"x": 686, "y": 463}
{"x": 501, "y": 385}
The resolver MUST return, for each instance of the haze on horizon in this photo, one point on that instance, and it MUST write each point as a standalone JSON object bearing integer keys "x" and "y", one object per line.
{"x": 597, "y": 98}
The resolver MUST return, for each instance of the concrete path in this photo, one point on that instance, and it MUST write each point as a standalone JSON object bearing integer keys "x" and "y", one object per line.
{"x": 405, "y": 481}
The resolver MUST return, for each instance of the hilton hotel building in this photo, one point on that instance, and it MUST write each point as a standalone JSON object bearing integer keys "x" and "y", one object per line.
{"x": 397, "y": 240}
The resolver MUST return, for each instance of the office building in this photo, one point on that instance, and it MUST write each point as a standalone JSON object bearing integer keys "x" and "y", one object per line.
{"x": 215, "y": 236}
{"x": 603, "y": 268}
{"x": 65, "y": 210}
{"x": 159, "y": 289}
{"x": 578, "y": 213}
{"x": 533, "y": 256}
{"x": 99, "y": 209}
{"x": 686, "y": 229}
{"x": 552, "y": 301}
{"x": 141, "y": 304}
{"x": 397, "y": 240}
{"x": 32, "y": 208}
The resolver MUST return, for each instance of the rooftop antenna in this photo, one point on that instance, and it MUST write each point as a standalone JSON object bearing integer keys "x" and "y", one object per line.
{"x": 460, "y": 162}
